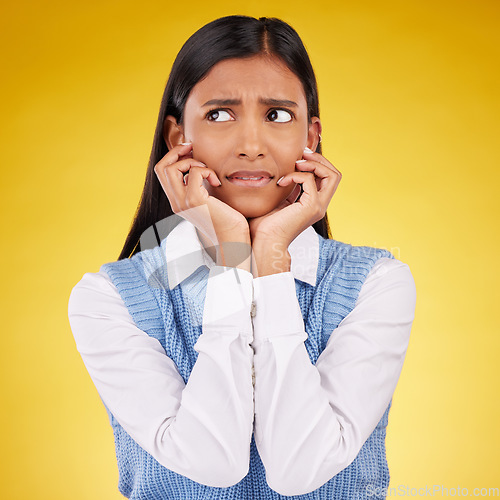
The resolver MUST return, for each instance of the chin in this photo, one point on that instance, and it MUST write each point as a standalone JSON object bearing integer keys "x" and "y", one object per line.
{"x": 253, "y": 211}
{"x": 254, "y": 214}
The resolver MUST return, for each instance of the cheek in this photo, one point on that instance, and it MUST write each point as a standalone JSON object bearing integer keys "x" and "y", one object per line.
{"x": 208, "y": 149}
{"x": 288, "y": 150}
{"x": 208, "y": 153}
{"x": 285, "y": 160}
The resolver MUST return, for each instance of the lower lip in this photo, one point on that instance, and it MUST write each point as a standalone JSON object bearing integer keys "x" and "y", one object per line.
{"x": 250, "y": 182}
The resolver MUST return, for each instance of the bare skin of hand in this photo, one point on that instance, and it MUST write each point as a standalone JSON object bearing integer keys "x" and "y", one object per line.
{"x": 233, "y": 237}
{"x": 182, "y": 177}
{"x": 271, "y": 234}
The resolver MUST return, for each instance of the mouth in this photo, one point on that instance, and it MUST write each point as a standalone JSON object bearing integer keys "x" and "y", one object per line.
{"x": 249, "y": 178}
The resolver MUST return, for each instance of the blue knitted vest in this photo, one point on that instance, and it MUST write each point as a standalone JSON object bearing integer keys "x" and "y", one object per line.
{"x": 167, "y": 315}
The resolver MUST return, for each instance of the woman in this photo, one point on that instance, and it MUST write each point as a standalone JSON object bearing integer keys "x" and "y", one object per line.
{"x": 239, "y": 351}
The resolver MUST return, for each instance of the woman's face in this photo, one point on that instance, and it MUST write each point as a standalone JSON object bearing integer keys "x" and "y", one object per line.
{"x": 247, "y": 120}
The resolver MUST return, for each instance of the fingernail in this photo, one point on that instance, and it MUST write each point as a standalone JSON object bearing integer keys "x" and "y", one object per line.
{"x": 220, "y": 183}
{"x": 278, "y": 181}
{"x": 202, "y": 164}
{"x": 307, "y": 150}
{"x": 186, "y": 143}
{"x": 300, "y": 161}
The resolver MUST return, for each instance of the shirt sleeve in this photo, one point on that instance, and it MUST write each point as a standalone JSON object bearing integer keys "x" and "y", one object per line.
{"x": 312, "y": 420}
{"x": 201, "y": 429}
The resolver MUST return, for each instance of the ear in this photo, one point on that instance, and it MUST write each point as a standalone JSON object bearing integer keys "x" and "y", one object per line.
{"x": 172, "y": 132}
{"x": 314, "y": 133}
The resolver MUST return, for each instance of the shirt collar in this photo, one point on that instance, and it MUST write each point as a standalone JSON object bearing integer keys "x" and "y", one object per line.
{"x": 185, "y": 254}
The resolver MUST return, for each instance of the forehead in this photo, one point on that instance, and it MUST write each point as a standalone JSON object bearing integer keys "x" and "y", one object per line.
{"x": 257, "y": 76}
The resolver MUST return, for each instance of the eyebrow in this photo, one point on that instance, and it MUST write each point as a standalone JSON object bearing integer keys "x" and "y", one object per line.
{"x": 268, "y": 101}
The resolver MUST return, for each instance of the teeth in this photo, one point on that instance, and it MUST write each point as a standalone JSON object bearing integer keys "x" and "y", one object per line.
{"x": 249, "y": 178}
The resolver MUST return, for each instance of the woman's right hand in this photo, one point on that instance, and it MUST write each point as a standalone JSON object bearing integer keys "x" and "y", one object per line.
{"x": 182, "y": 178}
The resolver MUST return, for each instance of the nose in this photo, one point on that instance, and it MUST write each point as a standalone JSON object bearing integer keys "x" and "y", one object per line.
{"x": 251, "y": 140}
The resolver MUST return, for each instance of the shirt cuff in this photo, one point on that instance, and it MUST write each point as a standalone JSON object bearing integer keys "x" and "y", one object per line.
{"x": 276, "y": 307}
{"x": 228, "y": 301}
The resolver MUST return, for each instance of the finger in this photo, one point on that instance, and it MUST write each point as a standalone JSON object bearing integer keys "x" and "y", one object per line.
{"x": 299, "y": 178}
{"x": 171, "y": 178}
{"x": 316, "y": 168}
{"x": 196, "y": 193}
{"x": 188, "y": 155}
{"x": 327, "y": 181}
{"x": 179, "y": 168}
{"x": 320, "y": 171}
{"x": 204, "y": 173}
{"x": 178, "y": 153}
{"x": 294, "y": 195}
{"x": 181, "y": 151}
{"x": 320, "y": 159}
{"x": 186, "y": 176}
{"x": 310, "y": 196}
{"x": 175, "y": 154}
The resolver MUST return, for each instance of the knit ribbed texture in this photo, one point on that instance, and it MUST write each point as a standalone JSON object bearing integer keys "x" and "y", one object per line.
{"x": 174, "y": 317}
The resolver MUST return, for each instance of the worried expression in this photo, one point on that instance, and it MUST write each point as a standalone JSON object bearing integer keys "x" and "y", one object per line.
{"x": 247, "y": 120}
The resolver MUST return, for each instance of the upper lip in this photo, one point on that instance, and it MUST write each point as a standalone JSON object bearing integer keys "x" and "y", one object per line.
{"x": 250, "y": 173}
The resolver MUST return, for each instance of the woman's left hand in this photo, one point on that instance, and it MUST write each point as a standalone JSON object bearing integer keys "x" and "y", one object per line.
{"x": 271, "y": 234}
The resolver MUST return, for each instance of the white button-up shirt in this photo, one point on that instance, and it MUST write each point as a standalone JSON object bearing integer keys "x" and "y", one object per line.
{"x": 253, "y": 373}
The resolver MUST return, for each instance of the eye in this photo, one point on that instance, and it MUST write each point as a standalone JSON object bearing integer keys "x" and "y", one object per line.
{"x": 218, "y": 115}
{"x": 280, "y": 116}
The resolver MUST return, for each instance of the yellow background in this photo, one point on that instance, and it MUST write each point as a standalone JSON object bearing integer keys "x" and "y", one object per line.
{"x": 410, "y": 107}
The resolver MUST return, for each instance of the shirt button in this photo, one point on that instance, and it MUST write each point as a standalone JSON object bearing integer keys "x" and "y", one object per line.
{"x": 253, "y": 310}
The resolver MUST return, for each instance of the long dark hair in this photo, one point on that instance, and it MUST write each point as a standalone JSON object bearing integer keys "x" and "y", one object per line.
{"x": 225, "y": 38}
